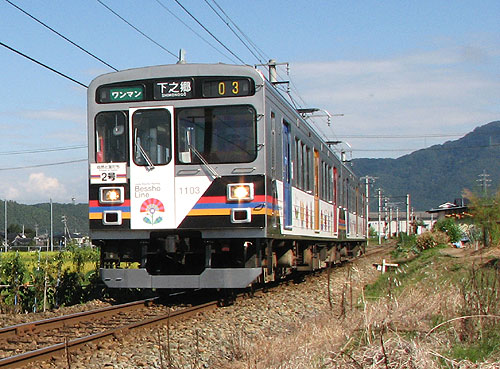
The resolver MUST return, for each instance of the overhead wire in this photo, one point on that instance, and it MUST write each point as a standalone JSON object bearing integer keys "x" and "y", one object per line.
{"x": 37, "y": 151}
{"x": 435, "y": 148}
{"x": 378, "y": 136}
{"x": 42, "y": 64}
{"x": 45, "y": 165}
{"x": 256, "y": 48}
{"x": 191, "y": 29}
{"x": 208, "y": 31}
{"x": 60, "y": 35}
{"x": 137, "y": 29}
{"x": 232, "y": 30}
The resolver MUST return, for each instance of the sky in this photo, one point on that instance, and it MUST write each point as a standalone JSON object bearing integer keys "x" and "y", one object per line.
{"x": 394, "y": 76}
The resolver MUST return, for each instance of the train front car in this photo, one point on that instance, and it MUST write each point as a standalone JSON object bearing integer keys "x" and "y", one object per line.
{"x": 177, "y": 192}
{"x": 204, "y": 176}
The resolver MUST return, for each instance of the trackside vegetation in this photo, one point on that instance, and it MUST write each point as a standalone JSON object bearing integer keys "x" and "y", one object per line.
{"x": 37, "y": 281}
{"x": 452, "y": 302}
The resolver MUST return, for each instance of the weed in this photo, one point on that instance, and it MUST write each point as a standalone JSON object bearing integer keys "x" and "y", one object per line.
{"x": 480, "y": 349}
{"x": 406, "y": 246}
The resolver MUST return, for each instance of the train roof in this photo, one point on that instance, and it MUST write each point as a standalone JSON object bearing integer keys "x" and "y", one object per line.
{"x": 178, "y": 70}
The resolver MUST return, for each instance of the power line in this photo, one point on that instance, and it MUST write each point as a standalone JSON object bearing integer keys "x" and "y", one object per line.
{"x": 431, "y": 135}
{"x": 210, "y": 33}
{"x": 43, "y": 65}
{"x": 232, "y": 30}
{"x": 60, "y": 35}
{"x": 36, "y": 151}
{"x": 137, "y": 29}
{"x": 191, "y": 29}
{"x": 257, "y": 49}
{"x": 45, "y": 165}
{"x": 435, "y": 148}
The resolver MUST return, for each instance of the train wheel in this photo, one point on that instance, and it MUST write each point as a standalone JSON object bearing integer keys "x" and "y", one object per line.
{"x": 227, "y": 297}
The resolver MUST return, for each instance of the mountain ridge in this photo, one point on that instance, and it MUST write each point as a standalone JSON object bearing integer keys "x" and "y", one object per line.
{"x": 38, "y": 216}
{"x": 439, "y": 173}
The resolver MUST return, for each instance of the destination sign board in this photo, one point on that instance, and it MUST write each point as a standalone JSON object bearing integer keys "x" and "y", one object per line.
{"x": 179, "y": 88}
{"x": 121, "y": 94}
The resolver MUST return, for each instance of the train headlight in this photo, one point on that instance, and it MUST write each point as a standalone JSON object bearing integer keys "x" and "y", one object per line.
{"x": 240, "y": 192}
{"x": 111, "y": 195}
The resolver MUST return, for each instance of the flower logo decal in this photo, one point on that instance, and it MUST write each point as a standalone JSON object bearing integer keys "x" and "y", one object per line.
{"x": 152, "y": 208}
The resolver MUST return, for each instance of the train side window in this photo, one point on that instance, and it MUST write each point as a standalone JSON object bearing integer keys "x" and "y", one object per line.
{"x": 111, "y": 137}
{"x": 324, "y": 177}
{"x": 273, "y": 144}
{"x": 302, "y": 165}
{"x": 307, "y": 170}
{"x": 152, "y": 141}
{"x": 335, "y": 186}
{"x": 330, "y": 184}
{"x": 297, "y": 165}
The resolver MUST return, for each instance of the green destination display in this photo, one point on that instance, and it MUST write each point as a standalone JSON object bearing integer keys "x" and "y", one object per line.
{"x": 121, "y": 94}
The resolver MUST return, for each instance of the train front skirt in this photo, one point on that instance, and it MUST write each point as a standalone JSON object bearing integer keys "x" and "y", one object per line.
{"x": 209, "y": 278}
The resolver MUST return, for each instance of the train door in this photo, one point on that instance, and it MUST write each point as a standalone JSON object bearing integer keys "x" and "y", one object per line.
{"x": 152, "y": 188}
{"x": 335, "y": 201}
{"x": 316, "y": 190}
{"x": 287, "y": 176}
{"x": 273, "y": 145}
{"x": 346, "y": 204}
{"x": 357, "y": 211}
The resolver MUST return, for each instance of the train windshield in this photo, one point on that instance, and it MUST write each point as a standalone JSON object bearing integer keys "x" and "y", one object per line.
{"x": 152, "y": 142}
{"x": 111, "y": 137}
{"x": 219, "y": 134}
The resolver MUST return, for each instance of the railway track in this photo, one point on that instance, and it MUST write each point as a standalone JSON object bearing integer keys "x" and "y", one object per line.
{"x": 88, "y": 328}
{"x": 64, "y": 336}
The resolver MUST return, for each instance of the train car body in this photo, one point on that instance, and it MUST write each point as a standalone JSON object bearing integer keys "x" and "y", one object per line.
{"x": 204, "y": 176}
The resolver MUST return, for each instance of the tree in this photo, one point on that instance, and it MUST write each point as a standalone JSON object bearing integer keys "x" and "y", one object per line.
{"x": 485, "y": 212}
{"x": 450, "y": 227}
{"x": 14, "y": 229}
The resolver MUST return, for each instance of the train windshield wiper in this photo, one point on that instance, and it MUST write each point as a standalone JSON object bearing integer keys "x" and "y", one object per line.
{"x": 212, "y": 171}
{"x": 143, "y": 152}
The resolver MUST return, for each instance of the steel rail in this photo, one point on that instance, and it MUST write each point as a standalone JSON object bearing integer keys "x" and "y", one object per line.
{"x": 65, "y": 320}
{"x": 20, "y": 360}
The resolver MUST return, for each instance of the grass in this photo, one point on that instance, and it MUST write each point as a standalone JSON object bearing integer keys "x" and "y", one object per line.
{"x": 478, "y": 350}
{"x": 391, "y": 321}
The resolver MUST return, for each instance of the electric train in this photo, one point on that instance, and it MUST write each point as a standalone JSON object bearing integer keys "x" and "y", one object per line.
{"x": 205, "y": 176}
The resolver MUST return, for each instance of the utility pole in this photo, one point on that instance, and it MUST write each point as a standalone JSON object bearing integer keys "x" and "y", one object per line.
{"x": 484, "y": 181}
{"x": 397, "y": 221}
{"x": 379, "y": 220}
{"x": 386, "y": 217}
{"x": 408, "y": 214}
{"x": 64, "y": 221}
{"x": 6, "y": 238}
{"x": 67, "y": 234}
{"x": 390, "y": 220}
{"x": 51, "y": 227}
{"x": 367, "y": 204}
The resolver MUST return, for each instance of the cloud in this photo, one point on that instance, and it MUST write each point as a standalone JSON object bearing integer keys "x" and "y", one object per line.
{"x": 39, "y": 182}
{"x": 38, "y": 187}
{"x": 72, "y": 115}
{"x": 436, "y": 91}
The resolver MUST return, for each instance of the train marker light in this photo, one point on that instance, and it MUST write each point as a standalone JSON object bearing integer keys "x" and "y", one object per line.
{"x": 111, "y": 195}
{"x": 240, "y": 192}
